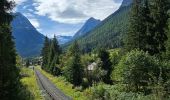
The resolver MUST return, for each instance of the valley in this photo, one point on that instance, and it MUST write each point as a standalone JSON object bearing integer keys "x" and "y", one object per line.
{"x": 85, "y": 50}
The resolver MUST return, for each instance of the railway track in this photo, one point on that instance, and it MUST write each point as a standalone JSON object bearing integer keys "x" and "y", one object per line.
{"x": 53, "y": 93}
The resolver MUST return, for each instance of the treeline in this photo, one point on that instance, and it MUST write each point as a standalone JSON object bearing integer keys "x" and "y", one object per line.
{"x": 145, "y": 67}
{"x": 9, "y": 73}
{"x": 109, "y": 34}
{"x": 148, "y": 27}
{"x": 52, "y": 61}
{"x": 51, "y": 53}
{"x": 10, "y": 86}
{"x": 138, "y": 70}
{"x": 73, "y": 65}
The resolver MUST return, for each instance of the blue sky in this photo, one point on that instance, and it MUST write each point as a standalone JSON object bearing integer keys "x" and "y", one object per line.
{"x": 64, "y": 17}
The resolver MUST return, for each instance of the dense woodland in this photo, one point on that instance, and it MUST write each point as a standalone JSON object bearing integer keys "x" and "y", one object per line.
{"x": 108, "y": 34}
{"x": 137, "y": 67}
{"x": 10, "y": 86}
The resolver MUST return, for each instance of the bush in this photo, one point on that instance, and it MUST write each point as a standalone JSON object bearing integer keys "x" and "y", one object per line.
{"x": 112, "y": 92}
{"x": 115, "y": 56}
{"x": 136, "y": 69}
{"x": 96, "y": 92}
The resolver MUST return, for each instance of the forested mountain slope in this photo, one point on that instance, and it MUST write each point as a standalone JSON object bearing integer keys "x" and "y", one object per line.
{"x": 110, "y": 32}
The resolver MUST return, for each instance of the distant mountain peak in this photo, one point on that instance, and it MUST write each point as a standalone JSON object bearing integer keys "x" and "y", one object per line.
{"x": 90, "y": 24}
{"x": 63, "y": 39}
{"x": 126, "y": 3}
{"x": 92, "y": 19}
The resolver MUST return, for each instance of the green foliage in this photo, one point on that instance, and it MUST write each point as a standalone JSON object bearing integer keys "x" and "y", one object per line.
{"x": 109, "y": 34}
{"x": 9, "y": 73}
{"x": 136, "y": 35}
{"x": 51, "y": 53}
{"x": 99, "y": 92}
{"x": 86, "y": 59}
{"x": 18, "y": 61}
{"x": 167, "y": 55}
{"x": 106, "y": 65}
{"x": 115, "y": 56}
{"x": 148, "y": 24}
{"x": 147, "y": 29}
{"x": 74, "y": 70}
{"x": 112, "y": 92}
{"x": 65, "y": 86}
{"x": 157, "y": 31}
{"x": 135, "y": 69}
{"x": 138, "y": 70}
{"x": 30, "y": 89}
{"x": 85, "y": 83}
{"x": 97, "y": 75}
{"x": 44, "y": 53}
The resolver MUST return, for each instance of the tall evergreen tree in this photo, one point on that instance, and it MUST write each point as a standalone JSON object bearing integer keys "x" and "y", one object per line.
{"x": 168, "y": 43}
{"x": 44, "y": 53}
{"x": 158, "y": 36}
{"x": 148, "y": 22}
{"x": 106, "y": 65}
{"x": 56, "y": 48}
{"x": 136, "y": 35}
{"x": 50, "y": 52}
{"x": 9, "y": 74}
{"x": 54, "y": 54}
{"x": 74, "y": 70}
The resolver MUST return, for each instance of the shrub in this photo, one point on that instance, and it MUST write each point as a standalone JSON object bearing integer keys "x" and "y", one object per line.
{"x": 97, "y": 92}
{"x": 112, "y": 92}
{"x": 136, "y": 69}
{"x": 115, "y": 56}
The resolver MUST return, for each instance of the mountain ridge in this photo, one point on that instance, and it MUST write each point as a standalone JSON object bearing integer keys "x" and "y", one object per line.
{"x": 89, "y": 25}
{"x": 27, "y": 39}
{"x": 110, "y": 32}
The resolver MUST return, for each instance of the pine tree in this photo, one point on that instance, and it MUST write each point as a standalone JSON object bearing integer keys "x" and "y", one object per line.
{"x": 9, "y": 74}
{"x": 44, "y": 53}
{"x": 56, "y": 49}
{"x": 168, "y": 43}
{"x": 74, "y": 70}
{"x": 136, "y": 33}
{"x": 106, "y": 65}
{"x": 158, "y": 36}
{"x": 51, "y": 53}
{"x": 54, "y": 54}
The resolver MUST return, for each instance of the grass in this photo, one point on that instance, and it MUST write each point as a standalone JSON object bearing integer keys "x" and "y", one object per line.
{"x": 30, "y": 84}
{"x": 65, "y": 86}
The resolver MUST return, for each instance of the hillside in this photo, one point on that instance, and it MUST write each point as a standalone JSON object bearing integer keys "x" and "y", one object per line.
{"x": 110, "y": 32}
{"x": 27, "y": 39}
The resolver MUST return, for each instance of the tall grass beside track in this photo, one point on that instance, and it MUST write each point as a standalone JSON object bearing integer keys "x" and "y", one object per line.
{"x": 64, "y": 86}
{"x": 28, "y": 80}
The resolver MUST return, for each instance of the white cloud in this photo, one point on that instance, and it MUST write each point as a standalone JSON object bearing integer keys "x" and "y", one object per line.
{"x": 30, "y": 10}
{"x": 35, "y": 23}
{"x": 28, "y": 15}
{"x": 75, "y": 11}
